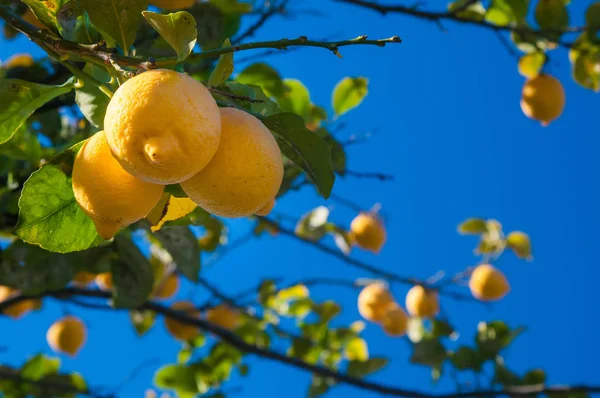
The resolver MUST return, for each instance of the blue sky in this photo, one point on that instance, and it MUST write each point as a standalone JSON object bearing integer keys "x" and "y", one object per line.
{"x": 444, "y": 109}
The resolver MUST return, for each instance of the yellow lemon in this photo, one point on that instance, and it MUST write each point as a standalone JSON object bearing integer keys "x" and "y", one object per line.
{"x": 182, "y": 331}
{"x": 422, "y": 302}
{"x": 246, "y": 172}
{"x": 488, "y": 284}
{"x": 543, "y": 98}
{"x": 67, "y": 335}
{"x": 223, "y": 316}
{"x": 19, "y": 309}
{"x": 373, "y": 301}
{"x": 83, "y": 278}
{"x": 395, "y": 321}
{"x": 108, "y": 194}
{"x": 19, "y": 60}
{"x": 173, "y": 4}
{"x": 168, "y": 288}
{"x": 104, "y": 281}
{"x": 32, "y": 19}
{"x": 266, "y": 209}
{"x": 163, "y": 126}
{"x": 368, "y": 232}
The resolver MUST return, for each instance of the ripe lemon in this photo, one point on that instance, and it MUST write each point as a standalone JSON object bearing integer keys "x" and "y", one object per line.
{"x": 83, "y": 278}
{"x": 163, "y": 126}
{"x": 104, "y": 281}
{"x": 543, "y": 98}
{"x": 19, "y": 60}
{"x": 173, "y": 4}
{"x": 488, "y": 283}
{"x": 246, "y": 172}
{"x": 422, "y": 302}
{"x": 182, "y": 331}
{"x": 266, "y": 209}
{"x": 168, "y": 288}
{"x": 368, "y": 232}
{"x": 373, "y": 301}
{"x": 67, "y": 335}
{"x": 32, "y": 19}
{"x": 108, "y": 194}
{"x": 223, "y": 316}
{"x": 395, "y": 320}
{"x": 19, "y": 309}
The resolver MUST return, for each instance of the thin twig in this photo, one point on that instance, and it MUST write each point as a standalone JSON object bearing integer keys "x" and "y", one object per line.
{"x": 264, "y": 17}
{"x": 359, "y": 174}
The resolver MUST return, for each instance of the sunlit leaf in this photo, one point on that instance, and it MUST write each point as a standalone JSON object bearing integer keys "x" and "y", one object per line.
{"x": 531, "y": 64}
{"x": 178, "y": 29}
{"x": 520, "y": 243}
{"x": 170, "y": 208}
{"x": 263, "y": 75}
{"x": 348, "y": 94}
{"x": 181, "y": 243}
{"x": 224, "y": 68}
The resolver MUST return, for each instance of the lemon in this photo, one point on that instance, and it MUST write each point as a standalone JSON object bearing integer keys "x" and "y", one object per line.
{"x": 19, "y": 309}
{"x": 83, "y": 278}
{"x": 543, "y": 98}
{"x": 488, "y": 284}
{"x": 163, "y": 126}
{"x": 373, "y": 301}
{"x": 179, "y": 330}
{"x": 223, "y": 316}
{"x": 104, "y": 281}
{"x": 67, "y": 335}
{"x": 19, "y": 60}
{"x": 422, "y": 302}
{"x": 245, "y": 174}
{"x": 108, "y": 194}
{"x": 395, "y": 320}
{"x": 266, "y": 209}
{"x": 368, "y": 232}
{"x": 168, "y": 288}
{"x": 172, "y": 4}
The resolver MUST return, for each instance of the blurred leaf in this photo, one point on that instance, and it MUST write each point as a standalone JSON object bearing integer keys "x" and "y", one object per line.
{"x": 415, "y": 329}
{"x": 535, "y": 376}
{"x": 429, "y": 352}
{"x": 133, "y": 277}
{"x": 304, "y": 148}
{"x": 91, "y": 100}
{"x": 118, "y": 19}
{"x": 313, "y": 225}
{"x": 592, "y": 16}
{"x": 19, "y": 99}
{"x": 505, "y": 377}
{"x": 473, "y": 226}
{"x": 531, "y": 64}
{"x": 263, "y": 75}
{"x": 520, "y": 243}
{"x": 233, "y": 6}
{"x": 39, "y": 367}
{"x": 441, "y": 328}
{"x": 338, "y": 154}
{"x": 327, "y": 311}
{"x": 142, "y": 321}
{"x": 357, "y": 350}
{"x": 295, "y": 98}
{"x": 466, "y": 358}
{"x": 181, "y": 243}
{"x": 348, "y": 94}
{"x": 319, "y": 386}
{"x": 266, "y": 107}
{"x": 224, "y": 68}
{"x": 361, "y": 369}
{"x": 213, "y": 24}
{"x": 494, "y": 336}
{"x": 552, "y": 15}
{"x": 475, "y": 11}
{"x": 505, "y": 12}
{"x": 180, "y": 378}
{"x": 178, "y": 29}
{"x": 292, "y": 293}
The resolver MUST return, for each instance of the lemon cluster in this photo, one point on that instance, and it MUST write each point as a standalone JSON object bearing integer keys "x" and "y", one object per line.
{"x": 163, "y": 127}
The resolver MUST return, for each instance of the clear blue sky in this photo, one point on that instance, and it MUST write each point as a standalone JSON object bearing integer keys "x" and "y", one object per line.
{"x": 445, "y": 109}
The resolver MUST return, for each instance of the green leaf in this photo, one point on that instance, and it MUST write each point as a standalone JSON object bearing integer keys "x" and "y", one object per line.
{"x": 475, "y": 11}
{"x": 39, "y": 367}
{"x": 505, "y": 12}
{"x": 466, "y": 358}
{"x": 348, "y": 94}
{"x": 304, "y": 148}
{"x": 429, "y": 352}
{"x": 494, "y": 336}
{"x": 132, "y": 275}
{"x": 181, "y": 243}
{"x": 441, "y": 328}
{"x": 118, "y": 19}
{"x": 319, "y": 386}
{"x": 261, "y": 109}
{"x": 232, "y": 6}
{"x": 175, "y": 190}
{"x": 180, "y": 378}
{"x": 75, "y": 25}
{"x": 34, "y": 270}
{"x": 592, "y": 16}
{"x": 292, "y": 293}
{"x": 338, "y": 154}
{"x": 46, "y": 11}
{"x": 313, "y": 225}
{"x": 91, "y": 100}
{"x": 224, "y": 68}
{"x": 552, "y": 14}
{"x": 531, "y": 64}
{"x": 295, "y": 98}
{"x": 19, "y": 99}
{"x": 504, "y": 376}
{"x": 49, "y": 215}
{"x": 535, "y": 376}
{"x": 361, "y": 369}
{"x": 584, "y": 61}
{"x": 178, "y": 29}
{"x": 327, "y": 311}
{"x": 520, "y": 243}
{"x": 357, "y": 350}
{"x": 473, "y": 226}
{"x": 263, "y": 75}
{"x": 415, "y": 329}
{"x": 142, "y": 321}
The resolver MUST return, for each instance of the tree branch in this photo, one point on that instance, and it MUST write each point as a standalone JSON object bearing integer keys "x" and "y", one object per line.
{"x": 264, "y": 17}
{"x": 454, "y": 16}
{"x": 237, "y": 342}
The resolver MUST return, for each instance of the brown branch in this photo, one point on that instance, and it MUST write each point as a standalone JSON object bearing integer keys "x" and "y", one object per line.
{"x": 264, "y": 17}
{"x": 454, "y": 16}
{"x": 237, "y": 342}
